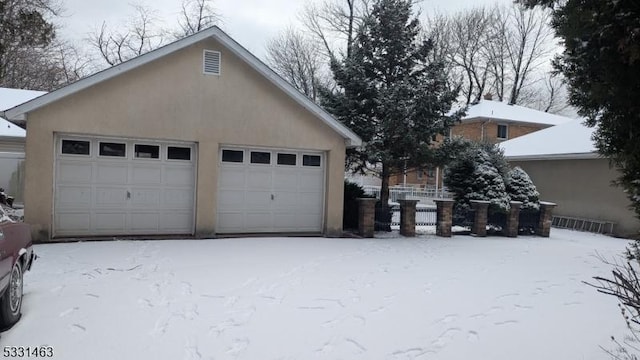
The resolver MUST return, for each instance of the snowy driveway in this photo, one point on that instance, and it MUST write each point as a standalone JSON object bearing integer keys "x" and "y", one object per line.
{"x": 316, "y": 298}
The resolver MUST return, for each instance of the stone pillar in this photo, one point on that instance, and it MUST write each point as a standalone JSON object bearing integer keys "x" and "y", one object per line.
{"x": 480, "y": 220}
{"x": 366, "y": 216}
{"x": 444, "y": 218}
{"x": 408, "y": 217}
{"x": 513, "y": 219}
{"x": 544, "y": 224}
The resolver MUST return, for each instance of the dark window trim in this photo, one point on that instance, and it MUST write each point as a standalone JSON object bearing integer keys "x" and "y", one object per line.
{"x": 182, "y": 147}
{"x": 232, "y": 162}
{"x": 251, "y": 152}
{"x": 100, "y": 142}
{"x": 312, "y": 166}
{"x": 295, "y": 156}
{"x": 72, "y": 154}
{"x": 506, "y": 131}
{"x": 135, "y": 153}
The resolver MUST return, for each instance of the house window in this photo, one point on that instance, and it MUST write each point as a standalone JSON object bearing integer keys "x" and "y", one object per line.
{"x": 236, "y": 156}
{"x": 178, "y": 153}
{"x": 286, "y": 159}
{"x": 502, "y": 131}
{"x": 420, "y": 173}
{"x": 75, "y": 147}
{"x": 259, "y": 157}
{"x": 147, "y": 151}
{"x": 113, "y": 149}
{"x": 310, "y": 160}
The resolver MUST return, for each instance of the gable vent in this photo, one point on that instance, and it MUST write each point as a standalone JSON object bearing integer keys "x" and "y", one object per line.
{"x": 211, "y": 62}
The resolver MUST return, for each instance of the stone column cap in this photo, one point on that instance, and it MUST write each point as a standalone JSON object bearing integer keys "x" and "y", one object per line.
{"x": 443, "y": 200}
{"x": 516, "y": 202}
{"x": 407, "y": 201}
{"x": 546, "y": 203}
{"x": 480, "y": 202}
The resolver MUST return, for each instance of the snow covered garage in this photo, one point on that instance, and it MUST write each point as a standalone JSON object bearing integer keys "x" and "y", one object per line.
{"x": 198, "y": 137}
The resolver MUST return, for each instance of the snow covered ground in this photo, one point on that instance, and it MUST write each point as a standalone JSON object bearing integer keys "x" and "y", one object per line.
{"x": 316, "y": 298}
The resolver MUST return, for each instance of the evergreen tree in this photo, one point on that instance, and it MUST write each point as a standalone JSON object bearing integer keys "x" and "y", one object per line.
{"x": 474, "y": 176}
{"x": 601, "y": 62}
{"x": 24, "y": 32}
{"x": 391, "y": 93}
{"x": 521, "y": 188}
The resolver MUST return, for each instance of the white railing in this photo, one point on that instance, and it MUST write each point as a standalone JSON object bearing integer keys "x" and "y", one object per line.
{"x": 398, "y": 192}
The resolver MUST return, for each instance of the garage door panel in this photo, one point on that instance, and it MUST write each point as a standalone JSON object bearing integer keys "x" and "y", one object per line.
{"x": 100, "y": 195}
{"x": 146, "y": 175}
{"x": 177, "y": 222}
{"x": 285, "y": 179}
{"x": 78, "y": 222}
{"x": 232, "y": 178}
{"x": 179, "y": 176}
{"x": 178, "y": 199}
{"x": 144, "y": 221}
{"x": 231, "y": 221}
{"x": 112, "y": 222}
{"x": 310, "y": 181}
{"x": 112, "y": 174}
{"x": 258, "y": 221}
{"x": 280, "y": 196}
{"x": 231, "y": 200}
{"x": 145, "y": 197}
{"x": 110, "y": 197}
{"x": 74, "y": 172}
{"x": 259, "y": 179}
{"x": 69, "y": 197}
{"x": 286, "y": 200}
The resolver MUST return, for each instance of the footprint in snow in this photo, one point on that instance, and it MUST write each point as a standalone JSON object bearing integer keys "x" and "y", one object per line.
{"x": 472, "y": 336}
{"x": 238, "y": 346}
{"x": 506, "y": 322}
{"x": 78, "y": 327}
{"x": 68, "y": 311}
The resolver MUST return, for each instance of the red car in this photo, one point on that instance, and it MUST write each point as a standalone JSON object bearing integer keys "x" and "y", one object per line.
{"x": 16, "y": 257}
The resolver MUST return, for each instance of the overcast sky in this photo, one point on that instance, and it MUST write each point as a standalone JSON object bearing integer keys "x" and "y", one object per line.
{"x": 250, "y": 22}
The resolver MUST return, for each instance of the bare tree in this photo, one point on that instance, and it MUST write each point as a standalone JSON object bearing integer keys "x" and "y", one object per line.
{"x": 500, "y": 50}
{"x": 334, "y": 23}
{"x": 469, "y": 33}
{"x": 528, "y": 45}
{"x": 140, "y": 35}
{"x": 196, "y": 15}
{"x": 297, "y": 59}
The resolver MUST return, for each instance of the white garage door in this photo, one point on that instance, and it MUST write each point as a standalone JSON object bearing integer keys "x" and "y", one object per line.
{"x": 123, "y": 187}
{"x": 263, "y": 191}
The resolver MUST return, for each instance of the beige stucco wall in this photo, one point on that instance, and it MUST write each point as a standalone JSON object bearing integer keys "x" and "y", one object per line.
{"x": 582, "y": 188}
{"x": 172, "y": 99}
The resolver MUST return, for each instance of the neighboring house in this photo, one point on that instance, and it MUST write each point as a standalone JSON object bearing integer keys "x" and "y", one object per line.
{"x": 197, "y": 137}
{"x": 12, "y": 140}
{"x": 563, "y": 164}
{"x": 487, "y": 121}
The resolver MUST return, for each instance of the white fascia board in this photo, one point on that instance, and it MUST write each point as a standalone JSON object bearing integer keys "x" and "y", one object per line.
{"x": 576, "y": 156}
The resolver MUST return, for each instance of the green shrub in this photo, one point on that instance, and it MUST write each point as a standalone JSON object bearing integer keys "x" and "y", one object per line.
{"x": 350, "y": 212}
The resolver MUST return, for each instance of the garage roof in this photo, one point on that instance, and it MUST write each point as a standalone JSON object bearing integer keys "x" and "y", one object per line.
{"x": 572, "y": 140}
{"x": 10, "y": 98}
{"x": 488, "y": 109}
{"x": 18, "y": 113}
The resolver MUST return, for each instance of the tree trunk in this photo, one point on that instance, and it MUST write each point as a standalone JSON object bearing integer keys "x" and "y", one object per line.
{"x": 384, "y": 189}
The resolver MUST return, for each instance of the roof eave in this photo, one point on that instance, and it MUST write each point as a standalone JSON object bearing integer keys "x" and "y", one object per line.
{"x": 568, "y": 156}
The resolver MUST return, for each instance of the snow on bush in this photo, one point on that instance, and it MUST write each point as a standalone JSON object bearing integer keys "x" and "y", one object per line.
{"x": 521, "y": 188}
{"x": 474, "y": 176}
